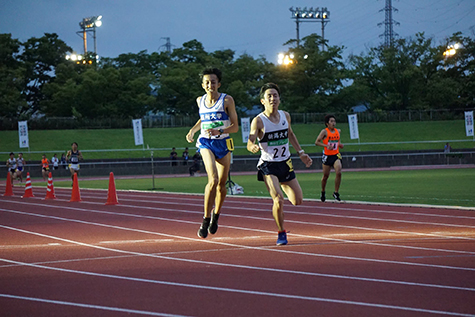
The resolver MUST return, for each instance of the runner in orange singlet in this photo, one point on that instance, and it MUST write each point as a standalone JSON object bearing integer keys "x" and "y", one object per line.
{"x": 329, "y": 139}
{"x": 44, "y": 167}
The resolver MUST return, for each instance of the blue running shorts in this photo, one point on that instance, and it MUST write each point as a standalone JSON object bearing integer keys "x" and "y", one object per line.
{"x": 219, "y": 147}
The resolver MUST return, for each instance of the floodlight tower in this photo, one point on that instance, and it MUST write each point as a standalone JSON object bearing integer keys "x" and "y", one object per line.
{"x": 389, "y": 33}
{"x": 310, "y": 15}
{"x": 89, "y": 25}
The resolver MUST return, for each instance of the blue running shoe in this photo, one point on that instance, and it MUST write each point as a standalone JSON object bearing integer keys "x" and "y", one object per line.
{"x": 282, "y": 238}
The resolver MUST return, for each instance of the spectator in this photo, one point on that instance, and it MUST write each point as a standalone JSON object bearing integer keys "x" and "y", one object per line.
{"x": 196, "y": 164}
{"x": 185, "y": 156}
{"x": 173, "y": 156}
{"x": 447, "y": 148}
{"x": 63, "y": 161}
{"x": 55, "y": 162}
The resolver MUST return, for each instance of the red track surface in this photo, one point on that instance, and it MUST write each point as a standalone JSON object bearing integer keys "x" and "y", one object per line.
{"x": 143, "y": 257}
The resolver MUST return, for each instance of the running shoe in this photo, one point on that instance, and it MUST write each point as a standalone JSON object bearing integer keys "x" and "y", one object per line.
{"x": 213, "y": 226}
{"x": 282, "y": 238}
{"x": 203, "y": 231}
{"x": 322, "y": 197}
{"x": 336, "y": 196}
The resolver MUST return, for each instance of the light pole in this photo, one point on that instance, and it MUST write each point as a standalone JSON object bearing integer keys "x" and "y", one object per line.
{"x": 321, "y": 15}
{"x": 89, "y": 25}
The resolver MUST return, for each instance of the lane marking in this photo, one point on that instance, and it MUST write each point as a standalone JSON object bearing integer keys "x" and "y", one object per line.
{"x": 108, "y": 308}
{"x": 269, "y": 219}
{"x": 246, "y": 292}
{"x": 318, "y": 214}
{"x": 215, "y": 242}
{"x": 234, "y": 200}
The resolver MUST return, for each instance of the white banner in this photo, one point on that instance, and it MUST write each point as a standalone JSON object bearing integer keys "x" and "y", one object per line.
{"x": 469, "y": 123}
{"x": 23, "y": 134}
{"x": 353, "y": 122}
{"x": 245, "y": 129}
{"x": 138, "y": 133}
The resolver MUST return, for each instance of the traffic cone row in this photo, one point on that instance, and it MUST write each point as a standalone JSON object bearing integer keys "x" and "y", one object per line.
{"x": 50, "y": 190}
{"x": 28, "y": 187}
{"x": 75, "y": 193}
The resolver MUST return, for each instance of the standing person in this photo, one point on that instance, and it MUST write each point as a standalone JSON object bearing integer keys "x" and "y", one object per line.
{"x": 196, "y": 164}
{"x": 273, "y": 130}
{"x": 329, "y": 139}
{"x": 74, "y": 155}
{"x": 20, "y": 163}
{"x": 185, "y": 156}
{"x": 63, "y": 161}
{"x": 44, "y": 167}
{"x": 11, "y": 165}
{"x": 173, "y": 155}
{"x": 218, "y": 118}
{"x": 55, "y": 162}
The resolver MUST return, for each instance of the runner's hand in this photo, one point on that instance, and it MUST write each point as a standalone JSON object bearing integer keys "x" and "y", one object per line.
{"x": 306, "y": 159}
{"x": 254, "y": 148}
{"x": 189, "y": 137}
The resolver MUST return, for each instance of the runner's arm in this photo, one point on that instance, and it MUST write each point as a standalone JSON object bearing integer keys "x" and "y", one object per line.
{"x": 256, "y": 126}
{"x": 321, "y": 136}
{"x": 196, "y": 127}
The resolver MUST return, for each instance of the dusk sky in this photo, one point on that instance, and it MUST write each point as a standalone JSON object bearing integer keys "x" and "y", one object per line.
{"x": 256, "y": 27}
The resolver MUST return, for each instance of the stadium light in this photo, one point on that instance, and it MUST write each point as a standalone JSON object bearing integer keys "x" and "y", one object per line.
{"x": 89, "y": 25}
{"x": 305, "y": 14}
{"x": 285, "y": 59}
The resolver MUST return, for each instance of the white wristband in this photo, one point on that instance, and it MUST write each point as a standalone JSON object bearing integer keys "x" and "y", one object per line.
{"x": 301, "y": 152}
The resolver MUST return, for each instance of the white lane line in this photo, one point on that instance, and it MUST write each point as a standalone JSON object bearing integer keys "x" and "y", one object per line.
{"x": 219, "y": 243}
{"x": 242, "y": 291}
{"x": 324, "y": 215}
{"x": 233, "y": 200}
{"x": 107, "y": 308}
{"x": 264, "y": 231}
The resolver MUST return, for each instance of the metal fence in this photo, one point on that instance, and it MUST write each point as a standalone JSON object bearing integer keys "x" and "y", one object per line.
{"x": 171, "y": 121}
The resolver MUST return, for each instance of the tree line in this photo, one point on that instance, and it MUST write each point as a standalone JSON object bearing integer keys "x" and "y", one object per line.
{"x": 36, "y": 79}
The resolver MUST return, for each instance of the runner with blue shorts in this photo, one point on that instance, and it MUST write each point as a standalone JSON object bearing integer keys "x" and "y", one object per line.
{"x": 218, "y": 118}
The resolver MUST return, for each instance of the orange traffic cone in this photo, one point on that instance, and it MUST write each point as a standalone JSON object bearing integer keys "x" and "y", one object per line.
{"x": 75, "y": 194}
{"x": 9, "y": 188}
{"x": 50, "y": 190}
{"x": 28, "y": 187}
{"x": 111, "y": 193}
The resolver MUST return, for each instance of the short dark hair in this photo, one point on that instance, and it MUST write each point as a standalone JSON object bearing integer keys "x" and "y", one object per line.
{"x": 266, "y": 87}
{"x": 11, "y": 153}
{"x": 75, "y": 143}
{"x": 328, "y": 117}
{"x": 211, "y": 71}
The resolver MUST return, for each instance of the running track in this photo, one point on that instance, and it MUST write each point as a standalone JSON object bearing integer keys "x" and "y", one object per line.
{"x": 143, "y": 257}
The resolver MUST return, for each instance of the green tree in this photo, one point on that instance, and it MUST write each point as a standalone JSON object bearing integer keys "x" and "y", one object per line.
{"x": 310, "y": 83}
{"x": 12, "y": 101}
{"x": 40, "y": 58}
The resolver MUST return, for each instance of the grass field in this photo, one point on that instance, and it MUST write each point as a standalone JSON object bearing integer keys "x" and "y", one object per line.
{"x": 454, "y": 187}
{"x": 60, "y": 140}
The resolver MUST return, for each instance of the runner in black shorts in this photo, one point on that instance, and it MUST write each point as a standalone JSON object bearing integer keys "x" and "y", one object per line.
{"x": 272, "y": 128}
{"x": 329, "y": 139}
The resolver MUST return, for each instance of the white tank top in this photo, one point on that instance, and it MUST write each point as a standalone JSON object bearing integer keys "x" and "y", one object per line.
{"x": 12, "y": 163}
{"x": 214, "y": 117}
{"x": 274, "y": 144}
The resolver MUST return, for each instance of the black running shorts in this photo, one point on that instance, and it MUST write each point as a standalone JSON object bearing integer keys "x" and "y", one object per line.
{"x": 330, "y": 159}
{"x": 283, "y": 170}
